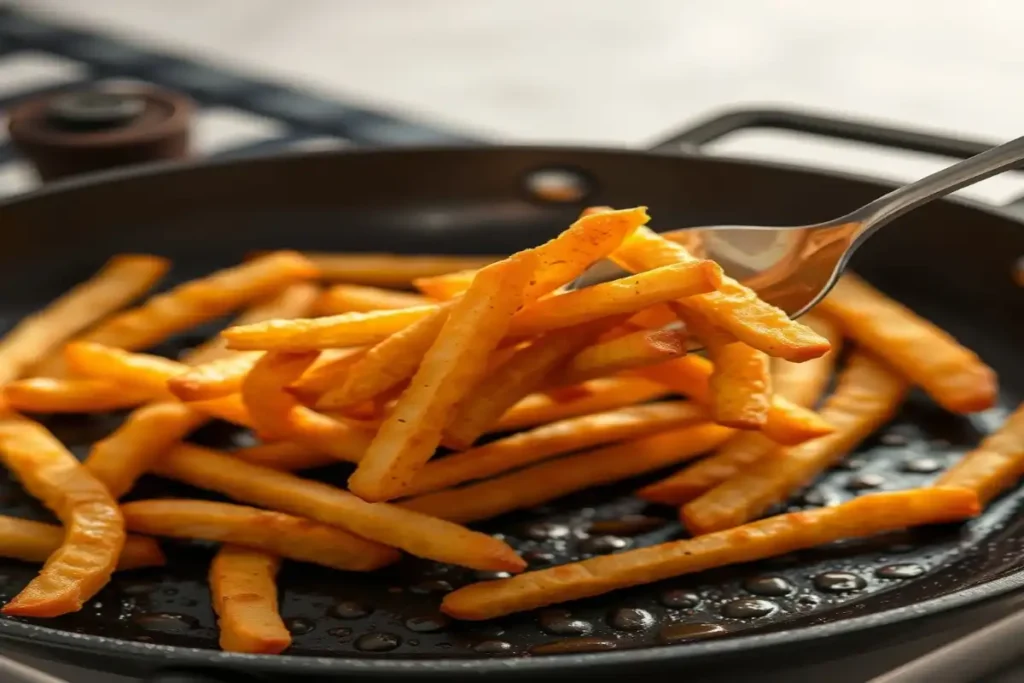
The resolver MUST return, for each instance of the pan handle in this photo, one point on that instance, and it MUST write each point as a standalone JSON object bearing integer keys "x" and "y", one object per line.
{"x": 720, "y": 125}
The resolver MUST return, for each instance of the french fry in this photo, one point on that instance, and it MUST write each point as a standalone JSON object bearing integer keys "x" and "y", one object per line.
{"x": 71, "y": 395}
{"x": 732, "y": 307}
{"x": 287, "y": 456}
{"x": 414, "y": 533}
{"x": 690, "y": 375}
{"x": 390, "y": 270}
{"x": 549, "y": 480}
{"x": 995, "y": 465}
{"x": 599, "y": 395}
{"x": 294, "y": 301}
{"x": 454, "y": 364}
{"x": 952, "y": 375}
{"x": 29, "y": 541}
{"x": 637, "y": 349}
{"x": 347, "y": 298}
{"x": 124, "y": 456}
{"x": 625, "y": 295}
{"x": 94, "y": 529}
{"x": 328, "y": 371}
{"x": 867, "y": 396}
{"x": 654, "y": 317}
{"x": 387, "y": 363}
{"x": 277, "y": 414}
{"x": 740, "y": 382}
{"x": 244, "y": 590}
{"x": 121, "y": 280}
{"x": 275, "y": 533}
{"x": 557, "y": 438}
{"x": 801, "y": 383}
{"x": 561, "y": 259}
{"x": 861, "y": 517}
{"x": 527, "y": 370}
{"x": 330, "y": 332}
{"x": 220, "y": 377}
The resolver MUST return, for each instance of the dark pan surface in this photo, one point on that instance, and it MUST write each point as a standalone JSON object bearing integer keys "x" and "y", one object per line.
{"x": 951, "y": 262}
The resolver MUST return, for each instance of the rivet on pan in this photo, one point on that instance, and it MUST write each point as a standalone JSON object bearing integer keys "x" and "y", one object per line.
{"x": 556, "y": 185}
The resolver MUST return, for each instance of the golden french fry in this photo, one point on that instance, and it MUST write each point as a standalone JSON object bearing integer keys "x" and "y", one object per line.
{"x": 347, "y": 298}
{"x": 952, "y": 375}
{"x": 445, "y": 287}
{"x": 242, "y": 582}
{"x": 557, "y": 438}
{"x": 124, "y": 456}
{"x": 94, "y": 529}
{"x": 633, "y": 350}
{"x": 220, "y": 377}
{"x": 284, "y": 455}
{"x": 414, "y": 533}
{"x": 276, "y": 533}
{"x": 29, "y": 541}
{"x": 732, "y": 307}
{"x": 865, "y": 516}
{"x": 550, "y": 480}
{"x": 867, "y": 396}
{"x": 121, "y": 280}
{"x": 805, "y": 383}
{"x": 329, "y": 370}
{"x": 995, "y": 465}
{"x": 71, "y": 395}
{"x": 454, "y": 364}
{"x": 390, "y": 270}
{"x": 294, "y": 301}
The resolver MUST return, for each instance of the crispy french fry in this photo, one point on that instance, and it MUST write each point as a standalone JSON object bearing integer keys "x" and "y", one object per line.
{"x": 71, "y": 395}
{"x": 690, "y": 375}
{"x": 995, "y": 465}
{"x": 732, "y": 307}
{"x": 347, "y": 298}
{"x": 550, "y": 480}
{"x": 294, "y": 301}
{"x": 391, "y": 525}
{"x": 599, "y": 395}
{"x": 561, "y": 260}
{"x": 330, "y": 332}
{"x": 278, "y": 415}
{"x": 124, "y": 456}
{"x": 557, "y": 438}
{"x": 867, "y": 396}
{"x": 801, "y": 383}
{"x": 952, "y": 375}
{"x": 220, "y": 377}
{"x": 287, "y": 456}
{"x": 527, "y": 370}
{"x": 454, "y": 364}
{"x": 633, "y": 350}
{"x": 387, "y": 364}
{"x": 276, "y": 533}
{"x": 244, "y": 590}
{"x": 654, "y": 317}
{"x": 328, "y": 371}
{"x": 625, "y": 295}
{"x": 121, "y": 280}
{"x": 30, "y": 541}
{"x": 740, "y": 382}
{"x": 390, "y": 270}
{"x": 864, "y": 516}
{"x": 94, "y": 529}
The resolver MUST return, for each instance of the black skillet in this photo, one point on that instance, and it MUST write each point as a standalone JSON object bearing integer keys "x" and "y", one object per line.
{"x": 953, "y": 261}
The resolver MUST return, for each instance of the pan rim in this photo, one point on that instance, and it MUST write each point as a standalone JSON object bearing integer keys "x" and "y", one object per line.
{"x": 58, "y": 640}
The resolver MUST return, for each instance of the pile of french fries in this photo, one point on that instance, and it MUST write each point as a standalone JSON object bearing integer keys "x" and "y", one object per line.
{"x": 536, "y": 390}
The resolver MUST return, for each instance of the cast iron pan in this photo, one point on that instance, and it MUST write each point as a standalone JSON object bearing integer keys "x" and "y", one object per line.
{"x": 951, "y": 261}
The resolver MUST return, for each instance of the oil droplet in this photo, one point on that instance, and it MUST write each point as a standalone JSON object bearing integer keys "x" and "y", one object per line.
{"x": 864, "y": 481}
{"x": 603, "y": 545}
{"x": 133, "y": 589}
{"x": 900, "y": 571}
{"x": 542, "y": 531}
{"x": 377, "y": 642}
{"x": 492, "y": 576}
{"x": 818, "y": 498}
{"x": 627, "y": 525}
{"x": 560, "y": 622}
{"x": 573, "y": 645}
{"x": 166, "y": 622}
{"x": 538, "y": 558}
{"x": 922, "y": 466}
{"x": 678, "y": 633}
{"x": 631, "y": 619}
{"x": 894, "y": 439}
{"x": 430, "y": 624}
{"x": 680, "y": 599}
{"x": 839, "y": 582}
{"x": 769, "y": 586}
{"x": 350, "y": 609}
{"x": 298, "y": 626}
{"x": 413, "y": 642}
{"x": 748, "y": 608}
{"x": 808, "y": 601}
{"x": 144, "y": 639}
{"x": 850, "y": 464}
{"x": 432, "y": 586}
{"x": 492, "y": 647}
{"x": 339, "y": 632}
